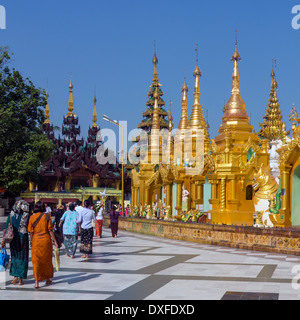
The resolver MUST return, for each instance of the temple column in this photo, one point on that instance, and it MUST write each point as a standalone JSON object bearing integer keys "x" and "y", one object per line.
{"x": 223, "y": 194}
{"x": 95, "y": 185}
{"x": 200, "y": 192}
{"x": 136, "y": 202}
{"x": 213, "y": 190}
{"x": 132, "y": 197}
{"x": 286, "y": 194}
{"x": 193, "y": 195}
{"x": 179, "y": 197}
{"x": 68, "y": 180}
{"x": 169, "y": 197}
{"x": 233, "y": 189}
{"x": 147, "y": 196}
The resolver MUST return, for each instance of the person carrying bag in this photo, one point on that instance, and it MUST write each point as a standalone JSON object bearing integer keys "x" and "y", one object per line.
{"x": 41, "y": 231}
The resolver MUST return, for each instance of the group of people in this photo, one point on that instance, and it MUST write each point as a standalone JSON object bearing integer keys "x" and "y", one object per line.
{"x": 44, "y": 233}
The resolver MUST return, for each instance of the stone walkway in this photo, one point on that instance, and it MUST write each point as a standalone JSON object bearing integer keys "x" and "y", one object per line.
{"x": 140, "y": 267}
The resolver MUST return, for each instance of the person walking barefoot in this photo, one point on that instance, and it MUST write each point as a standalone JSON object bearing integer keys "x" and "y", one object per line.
{"x": 86, "y": 230}
{"x": 41, "y": 232}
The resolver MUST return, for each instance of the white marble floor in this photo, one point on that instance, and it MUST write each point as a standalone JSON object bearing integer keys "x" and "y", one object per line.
{"x": 140, "y": 267}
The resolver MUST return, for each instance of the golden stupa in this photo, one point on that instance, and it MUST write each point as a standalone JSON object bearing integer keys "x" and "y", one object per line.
{"x": 235, "y": 184}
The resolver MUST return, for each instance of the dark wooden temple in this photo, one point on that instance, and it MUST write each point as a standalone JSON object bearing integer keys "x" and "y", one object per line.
{"x": 74, "y": 165}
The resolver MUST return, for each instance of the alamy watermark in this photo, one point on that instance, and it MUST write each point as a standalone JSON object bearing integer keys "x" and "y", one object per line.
{"x": 2, "y": 17}
{"x": 296, "y": 18}
{"x": 181, "y": 147}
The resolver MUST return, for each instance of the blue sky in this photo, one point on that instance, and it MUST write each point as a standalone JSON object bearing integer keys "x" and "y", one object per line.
{"x": 109, "y": 44}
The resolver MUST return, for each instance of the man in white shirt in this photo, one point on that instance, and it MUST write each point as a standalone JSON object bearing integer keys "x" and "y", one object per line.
{"x": 86, "y": 216}
{"x": 48, "y": 209}
{"x": 78, "y": 206}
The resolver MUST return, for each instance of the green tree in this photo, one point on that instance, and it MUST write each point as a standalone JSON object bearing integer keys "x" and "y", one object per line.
{"x": 23, "y": 146}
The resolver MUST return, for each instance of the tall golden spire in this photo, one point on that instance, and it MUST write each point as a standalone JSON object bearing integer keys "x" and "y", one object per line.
{"x": 94, "y": 125}
{"x": 146, "y": 123}
{"x": 235, "y": 121}
{"x": 47, "y": 110}
{"x": 71, "y": 101}
{"x": 184, "y": 119}
{"x": 197, "y": 120}
{"x": 196, "y": 115}
{"x": 235, "y": 108}
{"x": 155, "y": 62}
{"x": 273, "y": 128}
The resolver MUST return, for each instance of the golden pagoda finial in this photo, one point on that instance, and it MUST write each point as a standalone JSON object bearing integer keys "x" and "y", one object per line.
{"x": 155, "y": 62}
{"x": 274, "y": 84}
{"x": 184, "y": 119}
{"x": 235, "y": 107}
{"x": 272, "y": 127}
{"x": 47, "y": 110}
{"x": 197, "y": 71}
{"x": 94, "y": 125}
{"x": 71, "y": 100}
{"x": 197, "y": 120}
{"x": 294, "y": 114}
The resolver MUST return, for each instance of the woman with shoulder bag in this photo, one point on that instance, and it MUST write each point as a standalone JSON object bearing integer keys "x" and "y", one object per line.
{"x": 19, "y": 244}
{"x": 41, "y": 232}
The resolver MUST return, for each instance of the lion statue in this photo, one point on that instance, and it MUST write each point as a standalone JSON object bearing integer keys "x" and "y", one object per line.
{"x": 148, "y": 212}
{"x": 267, "y": 201}
{"x": 167, "y": 213}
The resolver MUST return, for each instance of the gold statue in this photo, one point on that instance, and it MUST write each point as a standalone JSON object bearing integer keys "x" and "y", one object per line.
{"x": 267, "y": 197}
{"x": 135, "y": 211}
{"x": 148, "y": 212}
{"x": 167, "y": 213}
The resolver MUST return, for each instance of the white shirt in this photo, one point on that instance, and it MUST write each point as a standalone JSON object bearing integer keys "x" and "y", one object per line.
{"x": 48, "y": 210}
{"x": 86, "y": 216}
{"x": 78, "y": 208}
{"x": 100, "y": 214}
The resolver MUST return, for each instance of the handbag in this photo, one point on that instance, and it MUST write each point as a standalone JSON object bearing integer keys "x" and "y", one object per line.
{"x": 4, "y": 260}
{"x": 8, "y": 233}
{"x": 56, "y": 259}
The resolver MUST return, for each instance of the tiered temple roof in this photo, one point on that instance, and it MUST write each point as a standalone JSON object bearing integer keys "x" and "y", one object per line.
{"x": 155, "y": 87}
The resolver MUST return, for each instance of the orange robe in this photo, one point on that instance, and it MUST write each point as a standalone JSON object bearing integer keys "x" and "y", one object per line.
{"x": 41, "y": 248}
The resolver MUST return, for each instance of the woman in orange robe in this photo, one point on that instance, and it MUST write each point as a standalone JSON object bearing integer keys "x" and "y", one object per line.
{"x": 40, "y": 227}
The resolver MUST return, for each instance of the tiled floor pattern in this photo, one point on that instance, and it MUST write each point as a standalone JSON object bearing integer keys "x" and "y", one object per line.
{"x": 140, "y": 267}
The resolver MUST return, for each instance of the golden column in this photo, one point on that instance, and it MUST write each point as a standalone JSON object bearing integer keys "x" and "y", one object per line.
{"x": 179, "y": 196}
{"x": 169, "y": 196}
{"x": 193, "y": 194}
{"x": 147, "y": 195}
{"x": 285, "y": 171}
{"x": 96, "y": 179}
{"x": 68, "y": 180}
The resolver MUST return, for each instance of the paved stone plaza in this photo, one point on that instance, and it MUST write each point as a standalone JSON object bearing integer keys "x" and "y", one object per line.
{"x": 140, "y": 267}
